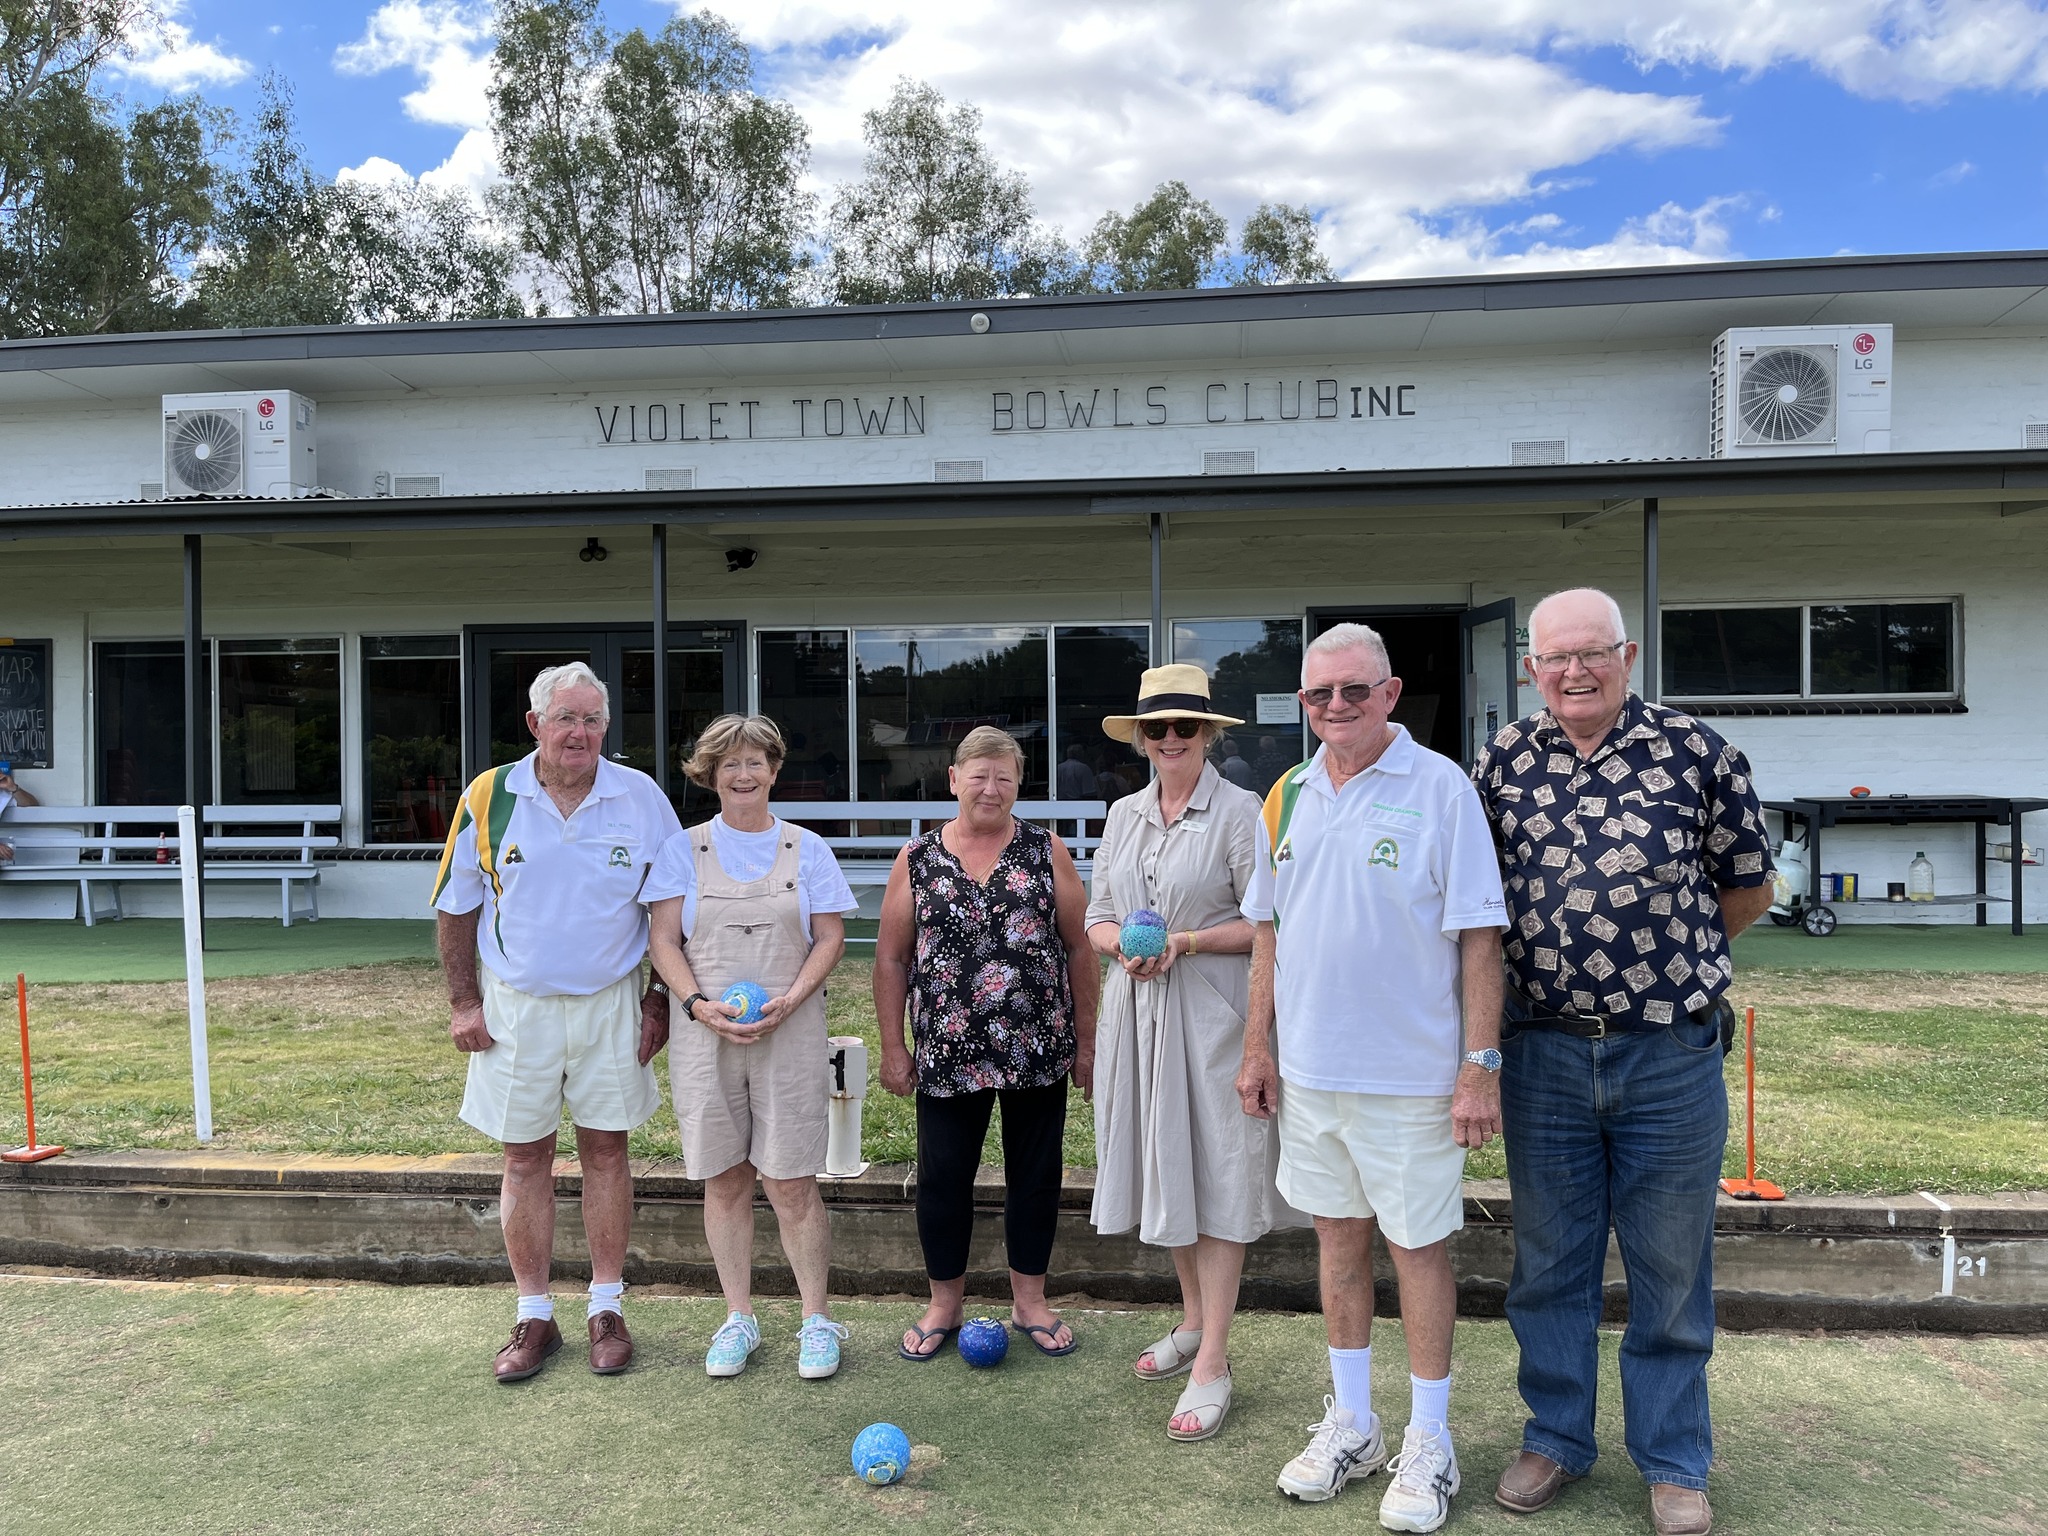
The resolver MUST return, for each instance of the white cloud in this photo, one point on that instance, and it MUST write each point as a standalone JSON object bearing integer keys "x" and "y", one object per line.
{"x": 1961, "y": 171}
{"x": 168, "y": 58}
{"x": 445, "y": 42}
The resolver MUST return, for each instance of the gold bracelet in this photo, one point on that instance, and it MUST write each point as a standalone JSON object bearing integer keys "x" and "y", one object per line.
{"x": 1193, "y": 947}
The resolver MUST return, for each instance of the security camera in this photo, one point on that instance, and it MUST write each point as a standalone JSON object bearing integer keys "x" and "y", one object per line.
{"x": 741, "y": 559}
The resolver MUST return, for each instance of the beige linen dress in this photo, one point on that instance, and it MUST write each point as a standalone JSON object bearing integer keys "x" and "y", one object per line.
{"x": 1176, "y": 1155}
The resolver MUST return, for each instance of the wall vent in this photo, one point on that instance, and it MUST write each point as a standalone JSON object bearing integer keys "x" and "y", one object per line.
{"x": 1230, "y": 461}
{"x": 1538, "y": 450}
{"x": 415, "y": 485}
{"x": 947, "y": 471}
{"x": 153, "y": 490}
{"x": 2037, "y": 434}
{"x": 684, "y": 479}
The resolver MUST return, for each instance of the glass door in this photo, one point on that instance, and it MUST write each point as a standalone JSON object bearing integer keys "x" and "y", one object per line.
{"x": 1490, "y": 681}
{"x": 502, "y": 666}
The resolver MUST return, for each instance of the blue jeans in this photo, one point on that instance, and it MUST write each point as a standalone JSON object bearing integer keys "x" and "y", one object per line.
{"x": 1627, "y": 1130}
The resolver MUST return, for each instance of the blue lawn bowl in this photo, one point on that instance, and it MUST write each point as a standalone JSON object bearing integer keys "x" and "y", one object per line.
{"x": 881, "y": 1454}
{"x": 983, "y": 1342}
{"x": 748, "y": 997}
{"x": 1143, "y": 935}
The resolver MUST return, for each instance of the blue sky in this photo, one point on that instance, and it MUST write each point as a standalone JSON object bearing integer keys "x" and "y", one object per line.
{"x": 1428, "y": 135}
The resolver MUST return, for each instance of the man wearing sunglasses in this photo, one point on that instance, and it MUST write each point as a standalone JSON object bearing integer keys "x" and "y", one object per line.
{"x": 1634, "y": 851}
{"x": 1377, "y": 903}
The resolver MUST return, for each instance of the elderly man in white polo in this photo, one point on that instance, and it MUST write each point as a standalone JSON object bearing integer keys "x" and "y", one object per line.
{"x": 1378, "y": 907}
{"x": 543, "y": 874}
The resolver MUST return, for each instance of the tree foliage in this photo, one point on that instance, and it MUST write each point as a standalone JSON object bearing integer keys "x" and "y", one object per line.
{"x": 1172, "y": 239}
{"x": 1278, "y": 244}
{"x": 933, "y": 216}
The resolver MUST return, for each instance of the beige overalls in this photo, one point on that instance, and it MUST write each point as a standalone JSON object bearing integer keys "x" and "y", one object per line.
{"x": 764, "y": 1103}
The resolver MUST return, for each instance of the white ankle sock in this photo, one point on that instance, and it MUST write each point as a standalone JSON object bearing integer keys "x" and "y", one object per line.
{"x": 1430, "y": 1404}
{"x": 1351, "y": 1379}
{"x": 606, "y": 1298}
{"x": 542, "y": 1307}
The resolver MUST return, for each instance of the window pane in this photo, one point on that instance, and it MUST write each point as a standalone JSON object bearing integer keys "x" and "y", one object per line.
{"x": 412, "y": 721}
{"x": 696, "y": 697}
{"x": 803, "y": 690}
{"x": 1245, "y": 658}
{"x": 512, "y": 675}
{"x": 1098, "y": 668}
{"x": 1883, "y": 648}
{"x": 139, "y": 722}
{"x": 921, "y": 690}
{"x": 1715, "y": 652}
{"x": 280, "y": 722}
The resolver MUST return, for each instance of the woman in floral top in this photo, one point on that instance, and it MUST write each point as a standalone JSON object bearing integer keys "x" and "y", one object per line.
{"x": 983, "y": 939}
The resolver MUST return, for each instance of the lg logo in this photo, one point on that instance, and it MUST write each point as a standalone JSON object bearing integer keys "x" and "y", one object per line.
{"x": 1865, "y": 343}
{"x": 268, "y": 407}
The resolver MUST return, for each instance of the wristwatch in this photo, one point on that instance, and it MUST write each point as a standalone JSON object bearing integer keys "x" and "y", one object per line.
{"x": 1488, "y": 1059}
{"x": 690, "y": 1004}
{"x": 658, "y": 985}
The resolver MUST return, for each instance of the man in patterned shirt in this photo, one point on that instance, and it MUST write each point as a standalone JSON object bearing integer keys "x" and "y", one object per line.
{"x": 1633, "y": 850}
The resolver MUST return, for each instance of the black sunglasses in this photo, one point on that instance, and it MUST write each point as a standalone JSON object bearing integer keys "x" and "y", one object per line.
{"x": 1351, "y": 693}
{"x": 1155, "y": 730}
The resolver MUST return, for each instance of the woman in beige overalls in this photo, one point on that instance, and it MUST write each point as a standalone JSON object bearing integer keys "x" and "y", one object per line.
{"x": 746, "y": 896}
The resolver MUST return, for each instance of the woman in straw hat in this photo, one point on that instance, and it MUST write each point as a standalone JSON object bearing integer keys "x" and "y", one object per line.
{"x": 1177, "y": 1157}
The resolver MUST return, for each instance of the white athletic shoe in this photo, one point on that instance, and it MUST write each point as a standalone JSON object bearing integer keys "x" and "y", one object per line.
{"x": 1422, "y": 1480}
{"x": 1336, "y": 1454}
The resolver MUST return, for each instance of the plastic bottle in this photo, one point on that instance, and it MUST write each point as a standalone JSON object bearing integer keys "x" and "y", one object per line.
{"x": 1920, "y": 879}
{"x": 163, "y": 852}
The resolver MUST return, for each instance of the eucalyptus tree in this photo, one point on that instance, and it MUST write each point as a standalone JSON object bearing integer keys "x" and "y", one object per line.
{"x": 933, "y": 216}
{"x": 1279, "y": 244}
{"x": 1172, "y": 239}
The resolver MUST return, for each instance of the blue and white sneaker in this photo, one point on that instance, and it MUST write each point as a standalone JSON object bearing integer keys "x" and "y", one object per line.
{"x": 1424, "y": 1480}
{"x": 817, "y": 1354}
{"x": 1339, "y": 1453}
{"x": 737, "y": 1338}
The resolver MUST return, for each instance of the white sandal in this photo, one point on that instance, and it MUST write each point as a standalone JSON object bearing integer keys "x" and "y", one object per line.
{"x": 1208, "y": 1401}
{"x": 1169, "y": 1358}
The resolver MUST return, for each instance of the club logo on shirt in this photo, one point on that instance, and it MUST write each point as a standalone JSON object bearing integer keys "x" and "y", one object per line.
{"x": 513, "y": 855}
{"x": 620, "y": 859}
{"x": 1284, "y": 852}
{"x": 1386, "y": 853}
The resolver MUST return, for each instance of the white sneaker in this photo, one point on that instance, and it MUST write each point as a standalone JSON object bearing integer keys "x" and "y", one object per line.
{"x": 1422, "y": 1481}
{"x": 1336, "y": 1454}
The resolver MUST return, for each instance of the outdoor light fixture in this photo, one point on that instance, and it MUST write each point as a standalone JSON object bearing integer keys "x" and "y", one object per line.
{"x": 741, "y": 559}
{"x": 978, "y": 325}
{"x": 592, "y": 550}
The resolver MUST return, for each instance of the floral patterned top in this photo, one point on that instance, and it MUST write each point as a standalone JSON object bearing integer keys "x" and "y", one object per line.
{"x": 990, "y": 1002}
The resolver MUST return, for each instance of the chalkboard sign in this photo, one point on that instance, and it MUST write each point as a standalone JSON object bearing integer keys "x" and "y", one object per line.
{"x": 25, "y": 703}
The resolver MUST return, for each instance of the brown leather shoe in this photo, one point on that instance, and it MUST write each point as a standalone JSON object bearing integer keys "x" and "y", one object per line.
{"x": 1677, "y": 1511}
{"x": 611, "y": 1347}
{"x": 1530, "y": 1483}
{"x": 533, "y": 1340}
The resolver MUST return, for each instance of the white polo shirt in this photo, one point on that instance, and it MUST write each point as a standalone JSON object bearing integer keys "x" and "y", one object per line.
{"x": 561, "y": 899}
{"x": 1372, "y": 886}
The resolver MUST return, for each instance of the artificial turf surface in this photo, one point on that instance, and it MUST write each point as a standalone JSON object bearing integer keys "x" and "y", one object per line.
{"x": 256, "y": 1409}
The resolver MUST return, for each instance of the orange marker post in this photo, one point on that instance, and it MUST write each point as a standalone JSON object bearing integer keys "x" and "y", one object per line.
{"x": 1751, "y": 1188}
{"x": 30, "y": 1153}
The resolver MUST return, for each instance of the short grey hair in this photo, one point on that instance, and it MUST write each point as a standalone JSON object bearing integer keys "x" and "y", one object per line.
{"x": 552, "y": 680}
{"x": 1346, "y": 637}
{"x": 1620, "y": 630}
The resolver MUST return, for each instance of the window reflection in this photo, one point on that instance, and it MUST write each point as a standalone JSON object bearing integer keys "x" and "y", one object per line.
{"x": 412, "y": 727}
{"x": 803, "y": 690}
{"x": 1244, "y": 659}
{"x": 1098, "y": 668}
{"x": 919, "y": 691}
{"x": 139, "y": 722}
{"x": 280, "y": 721}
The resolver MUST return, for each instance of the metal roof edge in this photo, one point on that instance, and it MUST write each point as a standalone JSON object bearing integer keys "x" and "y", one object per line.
{"x": 1985, "y": 471}
{"x": 1590, "y": 288}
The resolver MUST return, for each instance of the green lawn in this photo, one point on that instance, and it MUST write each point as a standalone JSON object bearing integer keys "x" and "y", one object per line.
{"x": 1870, "y": 1082}
{"x": 259, "y": 1409}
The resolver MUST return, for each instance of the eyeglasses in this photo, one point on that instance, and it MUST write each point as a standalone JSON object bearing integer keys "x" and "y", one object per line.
{"x": 566, "y": 721}
{"x": 1596, "y": 659}
{"x": 1155, "y": 730}
{"x": 1352, "y": 693}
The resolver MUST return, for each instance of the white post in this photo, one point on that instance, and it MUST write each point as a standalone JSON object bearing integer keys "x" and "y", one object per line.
{"x": 846, "y": 1083}
{"x": 195, "y": 970}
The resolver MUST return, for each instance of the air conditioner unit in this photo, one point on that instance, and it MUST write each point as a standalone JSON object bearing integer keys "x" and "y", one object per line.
{"x": 1801, "y": 389}
{"x": 242, "y": 443}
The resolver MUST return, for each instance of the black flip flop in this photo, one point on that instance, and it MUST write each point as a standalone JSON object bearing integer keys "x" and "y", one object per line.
{"x": 1038, "y": 1332}
{"x": 945, "y": 1337}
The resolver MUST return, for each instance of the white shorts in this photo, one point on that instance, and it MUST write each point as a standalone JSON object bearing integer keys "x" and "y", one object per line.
{"x": 1387, "y": 1156}
{"x": 551, "y": 1052}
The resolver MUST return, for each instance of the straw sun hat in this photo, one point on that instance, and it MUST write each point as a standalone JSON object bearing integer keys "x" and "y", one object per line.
{"x": 1178, "y": 692}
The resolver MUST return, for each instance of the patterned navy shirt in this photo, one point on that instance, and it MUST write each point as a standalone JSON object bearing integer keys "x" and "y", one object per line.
{"x": 1611, "y": 861}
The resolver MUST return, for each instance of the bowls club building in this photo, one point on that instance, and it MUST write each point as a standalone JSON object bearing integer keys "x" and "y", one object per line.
{"x": 1818, "y": 488}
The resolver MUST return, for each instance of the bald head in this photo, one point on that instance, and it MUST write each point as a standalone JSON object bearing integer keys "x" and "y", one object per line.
{"x": 1586, "y": 613}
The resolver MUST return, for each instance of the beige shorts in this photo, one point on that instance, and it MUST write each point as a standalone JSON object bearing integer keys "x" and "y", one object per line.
{"x": 765, "y": 1103}
{"x": 1381, "y": 1155}
{"x": 581, "y": 1053}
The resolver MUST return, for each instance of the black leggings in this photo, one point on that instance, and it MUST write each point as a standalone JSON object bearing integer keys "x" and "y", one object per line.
{"x": 950, "y": 1133}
